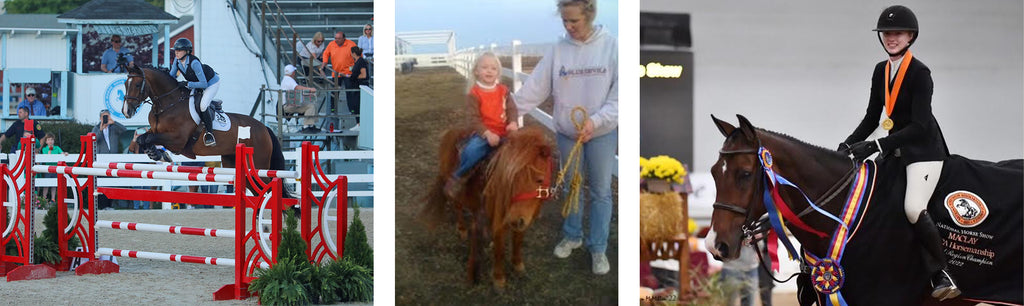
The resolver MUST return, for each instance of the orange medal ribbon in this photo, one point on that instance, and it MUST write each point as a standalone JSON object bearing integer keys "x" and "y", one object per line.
{"x": 890, "y": 97}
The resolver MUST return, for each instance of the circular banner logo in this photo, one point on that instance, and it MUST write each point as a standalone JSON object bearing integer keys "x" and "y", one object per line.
{"x": 827, "y": 276}
{"x": 966, "y": 208}
{"x": 115, "y": 96}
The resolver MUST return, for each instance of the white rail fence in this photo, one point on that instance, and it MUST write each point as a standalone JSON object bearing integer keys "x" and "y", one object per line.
{"x": 169, "y": 185}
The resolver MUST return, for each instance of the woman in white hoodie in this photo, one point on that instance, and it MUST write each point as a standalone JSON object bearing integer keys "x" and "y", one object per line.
{"x": 581, "y": 70}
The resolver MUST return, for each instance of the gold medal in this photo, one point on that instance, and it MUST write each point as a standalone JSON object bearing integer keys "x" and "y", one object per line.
{"x": 887, "y": 124}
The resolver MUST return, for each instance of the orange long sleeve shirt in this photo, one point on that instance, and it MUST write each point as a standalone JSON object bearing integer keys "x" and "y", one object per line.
{"x": 493, "y": 108}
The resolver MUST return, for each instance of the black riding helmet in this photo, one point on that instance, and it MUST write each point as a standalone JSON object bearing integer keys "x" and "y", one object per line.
{"x": 183, "y": 44}
{"x": 897, "y": 18}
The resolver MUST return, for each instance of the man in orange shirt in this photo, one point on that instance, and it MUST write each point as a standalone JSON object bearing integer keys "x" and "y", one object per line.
{"x": 339, "y": 54}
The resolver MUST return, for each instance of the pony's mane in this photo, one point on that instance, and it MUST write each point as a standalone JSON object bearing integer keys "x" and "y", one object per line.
{"x": 791, "y": 139}
{"x": 504, "y": 171}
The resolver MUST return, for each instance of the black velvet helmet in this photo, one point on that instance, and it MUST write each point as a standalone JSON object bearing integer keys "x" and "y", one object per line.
{"x": 897, "y": 18}
{"x": 183, "y": 44}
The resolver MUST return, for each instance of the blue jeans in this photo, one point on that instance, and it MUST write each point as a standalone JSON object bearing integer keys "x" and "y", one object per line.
{"x": 476, "y": 149}
{"x": 741, "y": 286}
{"x": 598, "y": 161}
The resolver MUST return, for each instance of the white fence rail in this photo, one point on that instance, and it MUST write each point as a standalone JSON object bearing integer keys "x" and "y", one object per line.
{"x": 168, "y": 185}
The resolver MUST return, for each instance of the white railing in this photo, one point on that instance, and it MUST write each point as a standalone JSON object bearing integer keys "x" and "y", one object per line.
{"x": 169, "y": 185}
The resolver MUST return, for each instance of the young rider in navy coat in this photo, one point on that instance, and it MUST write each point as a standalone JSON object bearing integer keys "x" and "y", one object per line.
{"x": 904, "y": 106}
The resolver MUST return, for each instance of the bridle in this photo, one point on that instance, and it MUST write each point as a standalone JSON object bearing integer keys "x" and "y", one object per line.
{"x": 751, "y": 228}
{"x": 149, "y": 98}
{"x": 544, "y": 191}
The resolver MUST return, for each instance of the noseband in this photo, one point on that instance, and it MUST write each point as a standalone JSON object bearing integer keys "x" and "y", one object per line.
{"x": 544, "y": 191}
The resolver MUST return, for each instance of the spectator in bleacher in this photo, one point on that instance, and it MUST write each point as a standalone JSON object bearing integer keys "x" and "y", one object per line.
{"x": 366, "y": 41}
{"x": 108, "y": 134}
{"x": 32, "y": 102}
{"x": 299, "y": 100}
{"x": 339, "y": 54}
{"x": 360, "y": 76}
{"x": 109, "y": 61}
{"x": 314, "y": 50}
{"x": 18, "y": 129}
{"x": 581, "y": 70}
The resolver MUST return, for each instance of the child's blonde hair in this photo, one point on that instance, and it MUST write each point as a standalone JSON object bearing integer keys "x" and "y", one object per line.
{"x": 476, "y": 64}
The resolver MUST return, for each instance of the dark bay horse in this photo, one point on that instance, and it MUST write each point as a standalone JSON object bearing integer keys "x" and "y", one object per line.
{"x": 173, "y": 127}
{"x": 503, "y": 194}
{"x": 882, "y": 260}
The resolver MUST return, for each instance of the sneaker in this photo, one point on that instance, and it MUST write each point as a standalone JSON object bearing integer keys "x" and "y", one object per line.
{"x": 601, "y": 265}
{"x": 565, "y": 247}
{"x": 355, "y": 128}
{"x": 310, "y": 130}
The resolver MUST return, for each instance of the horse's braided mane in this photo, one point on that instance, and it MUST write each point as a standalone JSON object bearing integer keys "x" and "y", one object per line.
{"x": 159, "y": 71}
{"x": 792, "y": 139}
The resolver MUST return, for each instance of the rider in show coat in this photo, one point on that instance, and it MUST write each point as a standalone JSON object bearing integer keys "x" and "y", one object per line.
{"x": 901, "y": 95}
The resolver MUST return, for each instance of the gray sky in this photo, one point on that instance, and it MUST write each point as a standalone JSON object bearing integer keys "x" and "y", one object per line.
{"x": 492, "y": 21}
{"x": 803, "y": 68}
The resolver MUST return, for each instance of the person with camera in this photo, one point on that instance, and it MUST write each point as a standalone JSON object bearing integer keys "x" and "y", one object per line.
{"x": 108, "y": 134}
{"x": 116, "y": 57}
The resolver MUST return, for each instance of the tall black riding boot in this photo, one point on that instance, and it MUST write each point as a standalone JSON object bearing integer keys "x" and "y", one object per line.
{"x": 207, "y": 117}
{"x": 943, "y": 286}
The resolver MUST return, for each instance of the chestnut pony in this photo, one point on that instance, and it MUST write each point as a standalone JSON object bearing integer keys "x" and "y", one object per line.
{"x": 503, "y": 194}
{"x": 173, "y": 127}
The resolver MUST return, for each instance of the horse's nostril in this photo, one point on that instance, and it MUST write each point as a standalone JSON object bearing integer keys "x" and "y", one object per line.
{"x": 723, "y": 249}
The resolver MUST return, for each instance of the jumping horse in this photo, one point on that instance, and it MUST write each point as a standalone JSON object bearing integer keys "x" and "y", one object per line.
{"x": 503, "y": 194}
{"x": 172, "y": 126}
{"x": 881, "y": 263}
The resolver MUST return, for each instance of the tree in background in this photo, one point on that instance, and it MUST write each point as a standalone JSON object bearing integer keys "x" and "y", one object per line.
{"x": 52, "y": 6}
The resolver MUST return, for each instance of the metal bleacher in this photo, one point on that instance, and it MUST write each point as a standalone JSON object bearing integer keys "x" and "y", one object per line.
{"x": 276, "y": 26}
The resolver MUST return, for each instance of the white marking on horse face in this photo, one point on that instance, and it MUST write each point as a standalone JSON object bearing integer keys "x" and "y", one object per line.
{"x": 725, "y": 166}
{"x": 709, "y": 243}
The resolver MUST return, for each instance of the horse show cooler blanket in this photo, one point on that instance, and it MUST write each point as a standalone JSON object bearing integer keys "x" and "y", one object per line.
{"x": 977, "y": 206}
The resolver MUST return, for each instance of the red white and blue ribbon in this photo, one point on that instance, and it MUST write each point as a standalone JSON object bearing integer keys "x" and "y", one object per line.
{"x": 779, "y": 212}
{"x": 827, "y": 275}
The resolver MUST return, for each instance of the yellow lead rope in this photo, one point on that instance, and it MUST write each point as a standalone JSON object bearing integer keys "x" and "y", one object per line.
{"x": 572, "y": 203}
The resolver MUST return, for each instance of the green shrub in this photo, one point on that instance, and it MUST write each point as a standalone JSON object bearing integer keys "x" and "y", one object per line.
{"x": 357, "y": 248}
{"x": 354, "y": 282}
{"x": 285, "y": 283}
{"x": 46, "y": 245}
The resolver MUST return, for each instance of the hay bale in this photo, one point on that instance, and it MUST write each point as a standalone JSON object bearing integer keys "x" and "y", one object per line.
{"x": 661, "y": 215}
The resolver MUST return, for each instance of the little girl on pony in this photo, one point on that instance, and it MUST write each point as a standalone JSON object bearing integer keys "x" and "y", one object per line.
{"x": 492, "y": 112}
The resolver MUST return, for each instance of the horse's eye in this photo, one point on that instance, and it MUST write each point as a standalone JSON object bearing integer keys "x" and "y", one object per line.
{"x": 744, "y": 174}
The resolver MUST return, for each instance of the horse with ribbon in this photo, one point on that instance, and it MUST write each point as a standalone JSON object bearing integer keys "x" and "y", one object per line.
{"x": 857, "y": 248}
{"x": 172, "y": 125}
{"x": 503, "y": 194}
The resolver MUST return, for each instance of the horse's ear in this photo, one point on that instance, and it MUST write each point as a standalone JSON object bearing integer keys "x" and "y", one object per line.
{"x": 723, "y": 126}
{"x": 747, "y": 128}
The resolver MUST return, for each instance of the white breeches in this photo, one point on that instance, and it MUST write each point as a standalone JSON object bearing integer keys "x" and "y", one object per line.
{"x": 208, "y": 95}
{"x": 922, "y": 177}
